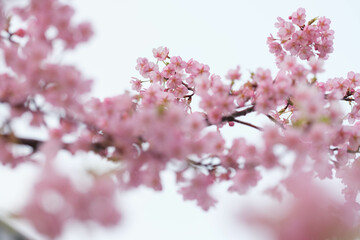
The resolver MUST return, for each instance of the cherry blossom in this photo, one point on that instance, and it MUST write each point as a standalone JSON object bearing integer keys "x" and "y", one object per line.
{"x": 161, "y": 53}
{"x": 173, "y": 120}
{"x": 298, "y": 17}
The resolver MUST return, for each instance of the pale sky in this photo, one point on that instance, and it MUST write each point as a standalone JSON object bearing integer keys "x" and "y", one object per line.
{"x": 222, "y": 34}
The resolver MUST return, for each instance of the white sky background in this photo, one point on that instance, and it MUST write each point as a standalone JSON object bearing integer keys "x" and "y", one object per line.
{"x": 222, "y": 34}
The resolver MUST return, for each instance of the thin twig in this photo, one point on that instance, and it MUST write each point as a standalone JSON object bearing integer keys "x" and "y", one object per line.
{"x": 275, "y": 121}
{"x": 209, "y": 166}
{"x": 248, "y": 124}
{"x": 348, "y": 151}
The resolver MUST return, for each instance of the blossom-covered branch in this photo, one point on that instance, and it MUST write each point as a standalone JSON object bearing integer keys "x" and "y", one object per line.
{"x": 174, "y": 117}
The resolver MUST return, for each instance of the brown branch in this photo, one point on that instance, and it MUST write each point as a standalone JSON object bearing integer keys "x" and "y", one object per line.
{"x": 345, "y": 98}
{"x": 348, "y": 99}
{"x": 11, "y": 138}
{"x": 100, "y": 146}
{"x": 232, "y": 117}
{"x": 35, "y": 144}
{"x": 189, "y": 95}
{"x": 288, "y": 103}
{"x": 243, "y": 112}
{"x": 190, "y": 89}
{"x": 248, "y": 124}
{"x": 187, "y": 86}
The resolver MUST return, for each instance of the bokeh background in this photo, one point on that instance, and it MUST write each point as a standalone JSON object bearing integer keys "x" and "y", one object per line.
{"x": 222, "y": 34}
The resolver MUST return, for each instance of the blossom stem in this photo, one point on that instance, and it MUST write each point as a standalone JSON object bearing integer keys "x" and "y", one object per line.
{"x": 275, "y": 121}
{"x": 248, "y": 124}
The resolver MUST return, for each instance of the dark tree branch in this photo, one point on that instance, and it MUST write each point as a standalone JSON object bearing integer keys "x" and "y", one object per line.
{"x": 231, "y": 118}
{"x": 248, "y": 124}
{"x": 243, "y": 112}
{"x": 11, "y": 138}
{"x": 35, "y": 144}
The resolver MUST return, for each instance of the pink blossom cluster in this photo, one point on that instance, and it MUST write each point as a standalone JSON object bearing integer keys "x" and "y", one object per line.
{"x": 41, "y": 19}
{"x": 55, "y": 200}
{"x": 315, "y": 215}
{"x": 303, "y": 40}
{"x": 309, "y": 136}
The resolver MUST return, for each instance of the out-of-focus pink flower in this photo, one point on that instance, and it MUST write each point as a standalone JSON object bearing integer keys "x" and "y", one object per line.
{"x": 314, "y": 214}
{"x": 234, "y": 74}
{"x": 244, "y": 179}
{"x": 354, "y": 79}
{"x": 198, "y": 190}
{"x": 316, "y": 65}
{"x": 55, "y": 201}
